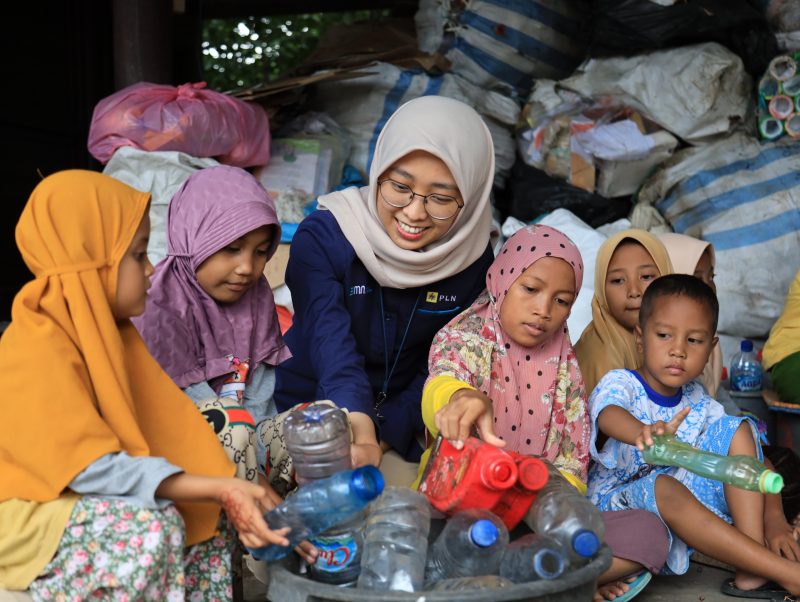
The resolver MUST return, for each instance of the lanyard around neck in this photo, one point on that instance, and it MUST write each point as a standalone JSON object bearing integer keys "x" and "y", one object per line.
{"x": 387, "y": 372}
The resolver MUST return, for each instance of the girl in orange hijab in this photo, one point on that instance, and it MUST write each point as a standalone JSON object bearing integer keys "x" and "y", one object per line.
{"x": 107, "y": 470}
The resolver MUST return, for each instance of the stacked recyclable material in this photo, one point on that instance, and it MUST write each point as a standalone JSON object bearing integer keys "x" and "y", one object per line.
{"x": 779, "y": 99}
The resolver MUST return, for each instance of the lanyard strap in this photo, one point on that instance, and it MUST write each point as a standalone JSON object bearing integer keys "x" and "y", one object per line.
{"x": 387, "y": 373}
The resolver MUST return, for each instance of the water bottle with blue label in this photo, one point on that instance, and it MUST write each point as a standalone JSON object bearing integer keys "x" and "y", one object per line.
{"x": 318, "y": 440}
{"x": 746, "y": 370}
{"x": 320, "y": 505}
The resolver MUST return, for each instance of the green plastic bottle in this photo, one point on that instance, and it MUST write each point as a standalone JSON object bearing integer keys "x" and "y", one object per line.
{"x": 745, "y": 472}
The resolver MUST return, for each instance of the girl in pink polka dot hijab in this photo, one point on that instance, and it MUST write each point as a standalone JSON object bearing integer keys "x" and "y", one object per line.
{"x": 506, "y": 364}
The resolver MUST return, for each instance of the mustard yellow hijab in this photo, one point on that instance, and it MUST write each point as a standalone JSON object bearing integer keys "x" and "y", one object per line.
{"x": 605, "y": 344}
{"x": 76, "y": 383}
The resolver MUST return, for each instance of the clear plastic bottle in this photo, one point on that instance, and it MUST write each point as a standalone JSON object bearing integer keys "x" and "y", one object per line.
{"x": 320, "y": 505}
{"x": 471, "y": 544}
{"x": 745, "y": 472}
{"x": 561, "y": 512}
{"x": 395, "y": 541}
{"x": 318, "y": 440}
{"x": 470, "y": 584}
{"x": 533, "y": 557}
{"x": 746, "y": 371}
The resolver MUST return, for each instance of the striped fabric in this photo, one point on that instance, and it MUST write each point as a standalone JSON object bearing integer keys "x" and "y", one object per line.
{"x": 505, "y": 44}
{"x": 744, "y": 198}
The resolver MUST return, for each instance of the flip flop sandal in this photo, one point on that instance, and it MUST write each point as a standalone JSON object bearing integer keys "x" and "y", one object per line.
{"x": 635, "y": 587}
{"x": 769, "y": 591}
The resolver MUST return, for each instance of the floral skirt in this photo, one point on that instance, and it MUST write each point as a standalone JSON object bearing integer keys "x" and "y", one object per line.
{"x": 115, "y": 550}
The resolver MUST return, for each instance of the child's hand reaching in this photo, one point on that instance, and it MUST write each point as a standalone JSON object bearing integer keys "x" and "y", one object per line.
{"x": 645, "y": 437}
{"x": 245, "y": 504}
{"x": 467, "y": 407}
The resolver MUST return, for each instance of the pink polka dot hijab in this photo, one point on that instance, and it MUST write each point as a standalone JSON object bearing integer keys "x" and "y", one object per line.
{"x": 537, "y": 392}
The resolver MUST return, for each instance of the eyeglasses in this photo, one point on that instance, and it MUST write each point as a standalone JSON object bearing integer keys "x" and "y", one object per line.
{"x": 438, "y": 206}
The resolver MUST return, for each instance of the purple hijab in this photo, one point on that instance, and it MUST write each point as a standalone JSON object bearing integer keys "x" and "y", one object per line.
{"x": 187, "y": 331}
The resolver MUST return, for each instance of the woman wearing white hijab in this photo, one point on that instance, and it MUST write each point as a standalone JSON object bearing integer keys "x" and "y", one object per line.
{"x": 378, "y": 271}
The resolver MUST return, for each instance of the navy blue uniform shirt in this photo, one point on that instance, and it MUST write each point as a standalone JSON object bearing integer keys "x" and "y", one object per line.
{"x": 337, "y": 339}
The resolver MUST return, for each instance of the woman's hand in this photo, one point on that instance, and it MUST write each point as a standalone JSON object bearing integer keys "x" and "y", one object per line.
{"x": 467, "y": 407}
{"x": 365, "y": 448}
{"x": 645, "y": 437}
{"x": 362, "y": 454}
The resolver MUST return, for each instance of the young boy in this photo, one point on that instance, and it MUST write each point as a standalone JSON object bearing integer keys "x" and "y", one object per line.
{"x": 675, "y": 335}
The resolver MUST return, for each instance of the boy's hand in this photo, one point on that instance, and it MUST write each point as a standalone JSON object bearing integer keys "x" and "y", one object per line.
{"x": 645, "y": 437}
{"x": 467, "y": 407}
{"x": 244, "y": 504}
{"x": 780, "y": 538}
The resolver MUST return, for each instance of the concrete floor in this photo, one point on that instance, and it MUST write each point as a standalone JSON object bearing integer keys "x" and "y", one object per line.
{"x": 700, "y": 584}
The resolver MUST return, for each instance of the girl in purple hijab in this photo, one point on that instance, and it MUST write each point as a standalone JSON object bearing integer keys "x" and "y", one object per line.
{"x": 210, "y": 319}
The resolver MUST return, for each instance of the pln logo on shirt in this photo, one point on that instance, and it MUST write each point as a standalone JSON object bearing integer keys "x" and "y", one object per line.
{"x": 435, "y": 297}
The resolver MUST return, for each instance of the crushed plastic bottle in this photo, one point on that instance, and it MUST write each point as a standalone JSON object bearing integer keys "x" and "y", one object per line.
{"x": 561, "y": 512}
{"x": 395, "y": 541}
{"x": 320, "y": 505}
{"x": 745, "y": 472}
{"x": 318, "y": 440}
{"x": 533, "y": 557}
{"x": 471, "y": 544}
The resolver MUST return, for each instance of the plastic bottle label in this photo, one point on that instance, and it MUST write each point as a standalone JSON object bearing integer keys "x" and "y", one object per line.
{"x": 335, "y": 553}
{"x": 746, "y": 382}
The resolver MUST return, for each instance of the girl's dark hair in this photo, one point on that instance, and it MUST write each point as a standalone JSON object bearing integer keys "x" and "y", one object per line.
{"x": 679, "y": 285}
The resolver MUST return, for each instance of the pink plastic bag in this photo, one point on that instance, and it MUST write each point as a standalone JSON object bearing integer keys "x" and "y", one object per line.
{"x": 201, "y": 123}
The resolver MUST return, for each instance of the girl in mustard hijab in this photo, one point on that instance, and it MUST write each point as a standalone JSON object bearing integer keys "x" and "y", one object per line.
{"x": 626, "y": 265}
{"x": 107, "y": 470}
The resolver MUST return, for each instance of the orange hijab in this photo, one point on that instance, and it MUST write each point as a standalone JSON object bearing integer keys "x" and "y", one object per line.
{"x": 76, "y": 383}
{"x": 605, "y": 343}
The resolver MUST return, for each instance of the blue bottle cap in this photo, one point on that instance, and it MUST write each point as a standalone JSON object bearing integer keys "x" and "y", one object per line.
{"x": 746, "y": 345}
{"x": 585, "y": 543}
{"x": 366, "y": 482}
{"x": 483, "y": 533}
{"x": 548, "y": 564}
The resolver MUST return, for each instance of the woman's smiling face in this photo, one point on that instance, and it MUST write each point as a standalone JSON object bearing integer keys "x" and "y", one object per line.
{"x": 411, "y": 227}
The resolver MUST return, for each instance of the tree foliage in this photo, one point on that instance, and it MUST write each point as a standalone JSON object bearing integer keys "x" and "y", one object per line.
{"x": 239, "y": 53}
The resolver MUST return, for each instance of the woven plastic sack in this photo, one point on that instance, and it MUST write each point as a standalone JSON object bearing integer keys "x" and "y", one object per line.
{"x": 743, "y": 197}
{"x": 188, "y": 119}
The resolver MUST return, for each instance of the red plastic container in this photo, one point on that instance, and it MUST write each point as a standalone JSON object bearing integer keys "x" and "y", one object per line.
{"x": 480, "y": 475}
{"x": 515, "y": 503}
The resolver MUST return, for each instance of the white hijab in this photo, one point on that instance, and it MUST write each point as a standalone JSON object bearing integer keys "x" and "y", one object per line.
{"x": 453, "y": 132}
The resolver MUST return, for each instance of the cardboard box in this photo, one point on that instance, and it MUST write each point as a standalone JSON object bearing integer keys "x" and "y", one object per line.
{"x": 275, "y": 270}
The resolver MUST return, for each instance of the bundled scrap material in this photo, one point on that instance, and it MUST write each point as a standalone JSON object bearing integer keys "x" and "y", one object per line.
{"x": 189, "y": 119}
{"x": 779, "y": 99}
{"x": 628, "y": 27}
{"x": 362, "y": 106}
{"x": 743, "y": 196}
{"x": 595, "y": 145}
{"x": 504, "y": 44}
